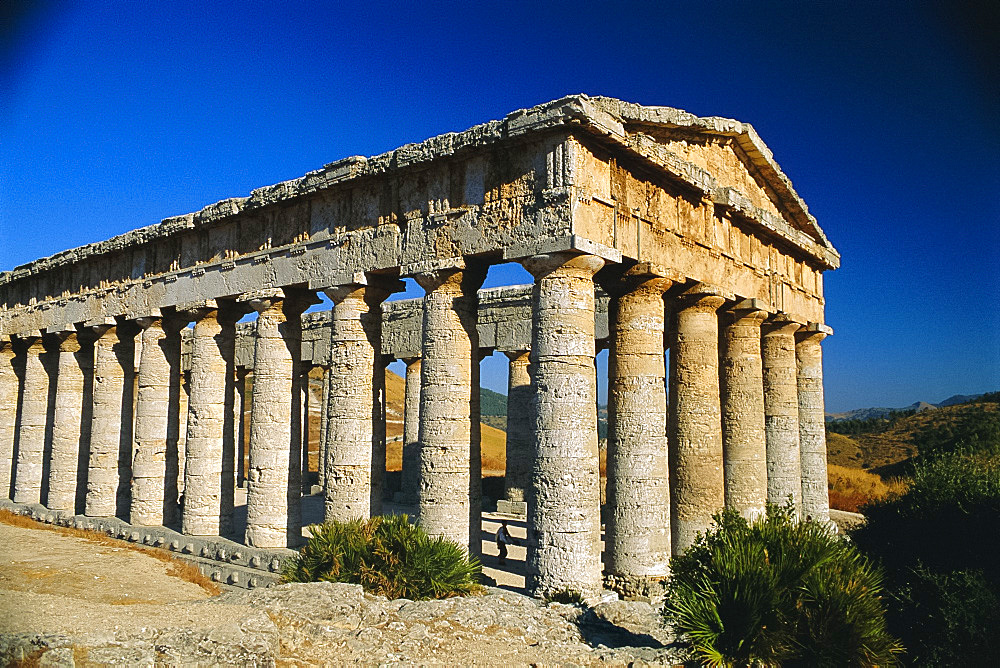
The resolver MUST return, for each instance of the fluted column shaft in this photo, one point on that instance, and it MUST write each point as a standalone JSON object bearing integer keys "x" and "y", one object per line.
{"x": 564, "y": 501}
{"x": 520, "y": 427}
{"x": 34, "y": 420}
{"x": 355, "y": 452}
{"x": 324, "y": 424}
{"x": 638, "y": 528}
{"x": 744, "y": 444}
{"x": 9, "y": 385}
{"x": 781, "y": 413}
{"x": 239, "y": 415}
{"x": 109, "y": 467}
{"x": 410, "y": 484}
{"x": 274, "y": 513}
{"x": 812, "y": 426}
{"x": 67, "y": 423}
{"x": 209, "y": 451}
{"x": 154, "y": 466}
{"x": 450, "y": 492}
{"x": 697, "y": 487}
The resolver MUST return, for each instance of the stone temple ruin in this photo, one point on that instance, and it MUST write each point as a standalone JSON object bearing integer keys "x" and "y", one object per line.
{"x": 685, "y": 227}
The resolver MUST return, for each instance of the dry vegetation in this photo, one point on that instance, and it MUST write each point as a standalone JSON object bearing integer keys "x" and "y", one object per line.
{"x": 851, "y": 488}
{"x": 175, "y": 567}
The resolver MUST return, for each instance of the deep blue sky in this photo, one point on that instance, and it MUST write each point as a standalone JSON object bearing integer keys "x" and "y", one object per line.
{"x": 884, "y": 115}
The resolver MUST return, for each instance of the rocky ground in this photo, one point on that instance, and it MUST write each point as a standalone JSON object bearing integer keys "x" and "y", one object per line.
{"x": 139, "y": 612}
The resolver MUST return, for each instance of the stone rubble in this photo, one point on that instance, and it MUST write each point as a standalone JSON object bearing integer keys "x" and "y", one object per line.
{"x": 335, "y": 623}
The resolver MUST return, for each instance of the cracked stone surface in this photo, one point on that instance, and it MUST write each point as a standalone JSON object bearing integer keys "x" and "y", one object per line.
{"x": 564, "y": 511}
{"x": 697, "y": 488}
{"x": 638, "y": 526}
{"x": 781, "y": 414}
{"x": 744, "y": 440}
{"x": 67, "y": 422}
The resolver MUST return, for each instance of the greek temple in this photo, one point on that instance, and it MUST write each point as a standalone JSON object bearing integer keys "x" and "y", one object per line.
{"x": 673, "y": 241}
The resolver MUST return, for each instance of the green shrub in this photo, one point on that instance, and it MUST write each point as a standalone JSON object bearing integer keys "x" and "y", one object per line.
{"x": 387, "y": 556}
{"x": 938, "y": 543}
{"x": 778, "y": 592}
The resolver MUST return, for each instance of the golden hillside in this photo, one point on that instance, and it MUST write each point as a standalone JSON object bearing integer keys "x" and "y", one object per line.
{"x": 494, "y": 441}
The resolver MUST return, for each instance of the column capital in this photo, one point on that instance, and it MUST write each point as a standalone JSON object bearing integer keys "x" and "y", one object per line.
{"x": 410, "y": 360}
{"x": 747, "y": 312}
{"x": 542, "y": 265}
{"x": 618, "y": 280}
{"x": 515, "y": 355}
{"x": 780, "y": 325}
{"x": 374, "y": 289}
{"x": 68, "y": 340}
{"x": 464, "y": 279}
{"x": 814, "y": 331}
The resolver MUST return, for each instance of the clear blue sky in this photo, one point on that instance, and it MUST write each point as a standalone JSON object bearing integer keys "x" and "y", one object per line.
{"x": 884, "y": 115}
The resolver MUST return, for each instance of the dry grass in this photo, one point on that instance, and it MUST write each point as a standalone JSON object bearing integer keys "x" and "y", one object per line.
{"x": 175, "y": 567}
{"x": 851, "y": 488}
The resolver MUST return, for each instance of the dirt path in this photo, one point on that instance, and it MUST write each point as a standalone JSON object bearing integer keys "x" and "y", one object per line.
{"x": 71, "y": 601}
{"x": 51, "y": 582}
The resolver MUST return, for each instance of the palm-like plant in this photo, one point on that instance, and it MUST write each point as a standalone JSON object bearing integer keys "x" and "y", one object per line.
{"x": 778, "y": 592}
{"x": 387, "y": 556}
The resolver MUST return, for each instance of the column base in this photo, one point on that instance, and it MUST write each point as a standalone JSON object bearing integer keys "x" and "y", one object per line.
{"x": 518, "y": 509}
{"x": 635, "y": 588}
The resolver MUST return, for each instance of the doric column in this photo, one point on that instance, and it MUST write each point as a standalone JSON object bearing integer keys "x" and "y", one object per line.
{"x": 209, "y": 479}
{"x": 324, "y": 424}
{"x": 355, "y": 452}
{"x": 34, "y": 420}
{"x": 67, "y": 422}
{"x": 239, "y": 415}
{"x": 564, "y": 531}
{"x": 520, "y": 427}
{"x": 410, "y": 484}
{"x": 154, "y": 464}
{"x": 274, "y": 488}
{"x": 697, "y": 487}
{"x": 637, "y": 535}
{"x": 812, "y": 422}
{"x": 9, "y": 385}
{"x": 109, "y": 467}
{"x": 744, "y": 446}
{"x": 304, "y": 369}
{"x": 781, "y": 413}
{"x": 450, "y": 491}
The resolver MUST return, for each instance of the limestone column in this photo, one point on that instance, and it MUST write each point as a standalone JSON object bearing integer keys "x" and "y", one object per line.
{"x": 67, "y": 423}
{"x": 239, "y": 415}
{"x": 520, "y": 427}
{"x": 209, "y": 451}
{"x": 781, "y": 413}
{"x": 9, "y": 385}
{"x": 697, "y": 487}
{"x": 274, "y": 515}
{"x": 450, "y": 490}
{"x": 744, "y": 445}
{"x": 637, "y": 535}
{"x": 109, "y": 466}
{"x": 353, "y": 477}
{"x": 154, "y": 465}
{"x": 324, "y": 423}
{"x": 564, "y": 529}
{"x": 304, "y": 370}
{"x": 34, "y": 419}
{"x": 410, "y": 484}
{"x": 812, "y": 423}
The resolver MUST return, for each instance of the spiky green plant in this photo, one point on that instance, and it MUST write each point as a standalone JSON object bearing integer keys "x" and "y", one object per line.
{"x": 778, "y": 592}
{"x": 387, "y": 556}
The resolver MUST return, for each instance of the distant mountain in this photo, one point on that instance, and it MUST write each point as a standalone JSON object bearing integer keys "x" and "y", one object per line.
{"x": 916, "y": 407}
